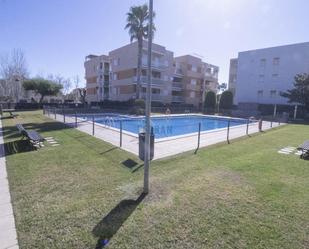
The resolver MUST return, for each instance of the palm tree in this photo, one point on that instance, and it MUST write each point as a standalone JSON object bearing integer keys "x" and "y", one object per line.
{"x": 137, "y": 23}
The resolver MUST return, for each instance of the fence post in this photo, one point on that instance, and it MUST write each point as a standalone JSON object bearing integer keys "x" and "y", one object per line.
{"x": 228, "y": 132}
{"x": 247, "y": 130}
{"x": 199, "y": 136}
{"x": 75, "y": 118}
{"x": 93, "y": 125}
{"x": 260, "y": 125}
{"x": 120, "y": 133}
{"x": 63, "y": 116}
{"x": 55, "y": 113}
{"x": 271, "y": 122}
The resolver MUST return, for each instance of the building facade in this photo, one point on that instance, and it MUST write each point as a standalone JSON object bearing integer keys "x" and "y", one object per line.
{"x": 263, "y": 74}
{"x": 174, "y": 79}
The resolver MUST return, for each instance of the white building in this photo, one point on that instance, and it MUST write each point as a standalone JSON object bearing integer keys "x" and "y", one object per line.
{"x": 263, "y": 74}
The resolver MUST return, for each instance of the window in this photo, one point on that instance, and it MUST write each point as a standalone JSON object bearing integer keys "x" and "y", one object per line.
{"x": 116, "y": 62}
{"x": 101, "y": 65}
{"x": 115, "y": 76}
{"x": 194, "y": 69}
{"x": 192, "y": 94}
{"x": 261, "y": 78}
{"x": 263, "y": 62}
{"x": 199, "y": 69}
{"x": 193, "y": 82}
{"x": 155, "y": 91}
{"x": 274, "y": 76}
{"x": 273, "y": 93}
{"x": 101, "y": 76}
{"x": 276, "y": 61}
{"x": 260, "y": 93}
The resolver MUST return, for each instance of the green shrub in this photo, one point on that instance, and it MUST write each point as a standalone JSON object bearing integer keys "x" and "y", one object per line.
{"x": 210, "y": 100}
{"x": 226, "y": 100}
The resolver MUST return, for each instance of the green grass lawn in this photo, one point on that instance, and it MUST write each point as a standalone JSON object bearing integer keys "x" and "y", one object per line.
{"x": 242, "y": 195}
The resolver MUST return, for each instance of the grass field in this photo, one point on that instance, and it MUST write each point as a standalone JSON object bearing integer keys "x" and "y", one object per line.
{"x": 242, "y": 195}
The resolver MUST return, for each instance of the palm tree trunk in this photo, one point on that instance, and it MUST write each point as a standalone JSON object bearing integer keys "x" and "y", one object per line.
{"x": 139, "y": 68}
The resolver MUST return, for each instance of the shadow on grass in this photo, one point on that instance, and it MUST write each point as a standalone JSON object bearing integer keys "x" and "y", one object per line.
{"x": 137, "y": 168}
{"x": 109, "y": 150}
{"x": 111, "y": 223}
{"x": 129, "y": 163}
{"x": 18, "y": 146}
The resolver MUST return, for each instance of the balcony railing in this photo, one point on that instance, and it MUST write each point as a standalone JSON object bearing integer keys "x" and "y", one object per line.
{"x": 177, "y": 99}
{"x": 178, "y": 71}
{"x": 154, "y": 81}
{"x": 154, "y": 96}
{"x": 177, "y": 85}
{"x": 159, "y": 65}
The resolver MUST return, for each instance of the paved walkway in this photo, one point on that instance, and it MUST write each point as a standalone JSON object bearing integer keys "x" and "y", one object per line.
{"x": 8, "y": 236}
{"x": 166, "y": 147}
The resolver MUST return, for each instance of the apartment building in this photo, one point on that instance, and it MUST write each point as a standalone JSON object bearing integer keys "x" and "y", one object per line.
{"x": 97, "y": 74}
{"x": 263, "y": 74}
{"x": 196, "y": 78}
{"x": 174, "y": 79}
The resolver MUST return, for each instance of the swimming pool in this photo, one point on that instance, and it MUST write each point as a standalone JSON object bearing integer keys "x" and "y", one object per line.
{"x": 166, "y": 126}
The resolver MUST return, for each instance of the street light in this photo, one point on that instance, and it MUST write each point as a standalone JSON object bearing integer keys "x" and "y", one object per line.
{"x": 148, "y": 104}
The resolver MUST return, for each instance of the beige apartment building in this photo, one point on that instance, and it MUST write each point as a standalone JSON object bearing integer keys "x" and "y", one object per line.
{"x": 180, "y": 80}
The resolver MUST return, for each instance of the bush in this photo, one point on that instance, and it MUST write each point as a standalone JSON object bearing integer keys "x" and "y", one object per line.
{"x": 210, "y": 100}
{"x": 226, "y": 100}
{"x": 139, "y": 103}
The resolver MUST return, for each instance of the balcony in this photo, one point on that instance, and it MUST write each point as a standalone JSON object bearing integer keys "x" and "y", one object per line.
{"x": 155, "y": 65}
{"x": 154, "y": 81}
{"x": 177, "y": 85}
{"x": 177, "y": 99}
{"x": 154, "y": 97}
{"x": 178, "y": 71}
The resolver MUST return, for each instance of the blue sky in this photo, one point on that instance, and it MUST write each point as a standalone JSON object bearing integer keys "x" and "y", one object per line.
{"x": 56, "y": 35}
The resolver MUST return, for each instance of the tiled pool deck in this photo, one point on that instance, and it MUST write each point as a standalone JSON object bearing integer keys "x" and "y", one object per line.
{"x": 166, "y": 147}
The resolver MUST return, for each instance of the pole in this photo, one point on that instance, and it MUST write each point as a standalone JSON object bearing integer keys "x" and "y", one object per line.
{"x": 271, "y": 122}
{"x": 199, "y": 136}
{"x": 120, "y": 133}
{"x": 63, "y": 117}
{"x": 76, "y": 119}
{"x": 93, "y": 125}
{"x": 275, "y": 110}
{"x": 148, "y": 103}
{"x": 228, "y": 132}
{"x": 55, "y": 114}
{"x": 295, "y": 112}
{"x": 247, "y": 130}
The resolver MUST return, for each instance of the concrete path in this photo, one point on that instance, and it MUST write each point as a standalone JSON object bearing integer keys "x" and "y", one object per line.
{"x": 8, "y": 236}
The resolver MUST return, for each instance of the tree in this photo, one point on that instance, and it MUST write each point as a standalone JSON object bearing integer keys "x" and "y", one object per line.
{"x": 43, "y": 87}
{"x": 13, "y": 70}
{"x": 137, "y": 24}
{"x": 82, "y": 93}
{"x": 226, "y": 100}
{"x": 210, "y": 101}
{"x": 300, "y": 92}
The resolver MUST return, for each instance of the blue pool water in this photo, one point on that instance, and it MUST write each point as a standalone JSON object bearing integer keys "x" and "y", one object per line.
{"x": 167, "y": 126}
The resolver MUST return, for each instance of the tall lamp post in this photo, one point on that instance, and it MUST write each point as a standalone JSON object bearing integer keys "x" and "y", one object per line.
{"x": 148, "y": 104}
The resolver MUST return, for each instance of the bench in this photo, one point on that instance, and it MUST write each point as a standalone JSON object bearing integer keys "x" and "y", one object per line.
{"x": 304, "y": 149}
{"x": 34, "y": 137}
